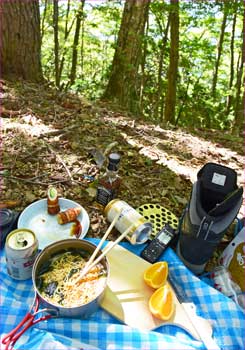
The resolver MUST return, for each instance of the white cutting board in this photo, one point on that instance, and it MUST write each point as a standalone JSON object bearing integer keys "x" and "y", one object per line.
{"x": 127, "y": 295}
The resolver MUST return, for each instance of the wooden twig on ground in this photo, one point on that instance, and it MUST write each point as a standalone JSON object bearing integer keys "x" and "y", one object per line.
{"x": 58, "y": 132}
{"x": 31, "y": 154}
{"x": 67, "y": 129}
{"x": 61, "y": 161}
{"x": 17, "y": 179}
{"x": 7, "y": 113}
{"x": 38, "y": 176}
{"x": 9, "y": 204}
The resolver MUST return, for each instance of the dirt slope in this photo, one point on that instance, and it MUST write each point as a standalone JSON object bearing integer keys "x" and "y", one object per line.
{"x": 48, "y": 138}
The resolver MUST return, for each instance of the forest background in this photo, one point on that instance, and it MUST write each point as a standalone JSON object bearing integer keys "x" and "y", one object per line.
{"x": 162, "y": 82}
{"x": 177, "y": 62}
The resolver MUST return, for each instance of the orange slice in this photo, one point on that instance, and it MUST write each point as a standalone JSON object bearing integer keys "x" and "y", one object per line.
{"x": 161, "y": 303}
{"x": 156, "y": 275}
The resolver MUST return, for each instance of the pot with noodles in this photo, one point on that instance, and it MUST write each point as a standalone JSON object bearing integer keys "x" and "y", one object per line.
{"x": 55, "y": 274}
{"x": 56, "y": 269}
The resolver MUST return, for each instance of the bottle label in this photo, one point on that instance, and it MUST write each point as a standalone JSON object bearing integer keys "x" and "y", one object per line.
{"x": 104, "y": 195}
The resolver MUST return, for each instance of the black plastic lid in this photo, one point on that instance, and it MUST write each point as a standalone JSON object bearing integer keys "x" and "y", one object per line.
{"x": 114, "y": 159}
{"x": 6, "y": 216}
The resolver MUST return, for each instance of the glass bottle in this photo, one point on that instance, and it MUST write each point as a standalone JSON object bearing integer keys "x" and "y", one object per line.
{"x": 109, "y": 182}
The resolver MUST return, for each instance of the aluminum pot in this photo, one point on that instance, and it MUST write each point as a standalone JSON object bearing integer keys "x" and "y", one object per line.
{"x": 50, "y": 309}
{"x": 50, "y": 251}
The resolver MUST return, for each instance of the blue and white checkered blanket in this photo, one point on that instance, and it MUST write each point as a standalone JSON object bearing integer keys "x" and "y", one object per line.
{"x": 103, "y": 331}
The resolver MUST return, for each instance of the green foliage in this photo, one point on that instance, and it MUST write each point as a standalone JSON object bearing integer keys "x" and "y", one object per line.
{"x": 200, "y": 23}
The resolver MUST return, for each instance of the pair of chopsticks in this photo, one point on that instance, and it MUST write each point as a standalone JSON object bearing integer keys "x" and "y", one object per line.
{"x": 91, "y": 262}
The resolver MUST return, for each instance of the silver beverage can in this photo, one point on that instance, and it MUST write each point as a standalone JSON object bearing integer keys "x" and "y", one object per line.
{"x": 141, "y": 229}
{"x": 21, "y": 249}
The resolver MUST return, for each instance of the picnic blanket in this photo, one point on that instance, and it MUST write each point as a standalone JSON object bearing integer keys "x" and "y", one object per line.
{"x": 103, "y": 331}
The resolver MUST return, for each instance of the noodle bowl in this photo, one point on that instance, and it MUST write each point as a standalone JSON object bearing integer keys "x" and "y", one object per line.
{"x": 55, "y": 284}
{"x": 58, "y": 266}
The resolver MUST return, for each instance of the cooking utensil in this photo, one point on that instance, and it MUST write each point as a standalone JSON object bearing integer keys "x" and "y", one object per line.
{"x": 35, "y": 217}
{"x": 158, "y": 216}
{"x": 101, "y": 256}
{"x": 102, "y": 241}
{"x": 50, "y": 309}
{"x": 28, "y": 321}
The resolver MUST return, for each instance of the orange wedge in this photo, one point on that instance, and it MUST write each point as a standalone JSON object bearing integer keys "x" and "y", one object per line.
{"x": 156, "y": 275}
{"x": 161, "y": 303}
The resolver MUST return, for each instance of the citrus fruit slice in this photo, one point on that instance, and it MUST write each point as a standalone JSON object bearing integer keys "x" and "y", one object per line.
{"x": 156, "y": 275}
{"x": 162, "y": 304}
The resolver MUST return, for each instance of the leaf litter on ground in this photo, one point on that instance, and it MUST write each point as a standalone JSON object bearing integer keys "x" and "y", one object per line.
{"x": 61, "y": 139}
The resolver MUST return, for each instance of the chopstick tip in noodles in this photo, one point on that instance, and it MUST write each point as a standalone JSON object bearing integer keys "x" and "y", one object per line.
{"x": 101, "y": 256}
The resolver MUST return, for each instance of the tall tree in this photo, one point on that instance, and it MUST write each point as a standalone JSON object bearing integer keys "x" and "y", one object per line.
{"x": 219, "y": 48}
{"x": 45, "y": 6}
{"x": 160, "y": 99}
{"x": 75, "y": 43}
{"x": 142, "y": 67}
{"x": 67, "y": 32}
{"x": 239, "y": 102}
{"x": 20, "y": 46}
{"x": 230, "y": 96}
{"x": 123, "y": 85}
{"x": 56, "y": 41}
{"x": 170, "y": 101}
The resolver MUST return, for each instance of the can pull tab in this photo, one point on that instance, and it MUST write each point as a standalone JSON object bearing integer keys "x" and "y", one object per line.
{"x": 20, "y": 240}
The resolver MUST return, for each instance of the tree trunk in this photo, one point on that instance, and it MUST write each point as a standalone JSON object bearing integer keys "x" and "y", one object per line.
{"x": 82, "y": 48}
{"x": 123, "y": 86}
{"x": 56, "y": 41}
{"x": 159, "y": 102}
{"x": 219, "y": 50}
{"x": 66, "y": 35}
{"x": 230, "y": 96}
{"x": 142, "y": 65}
{"x": 20, "y": 46}
{"x": 75, "y": 43}
{"x": 43, "y": 19}
{"x": 238, "y": 103}
{"x": 170, "y": 101}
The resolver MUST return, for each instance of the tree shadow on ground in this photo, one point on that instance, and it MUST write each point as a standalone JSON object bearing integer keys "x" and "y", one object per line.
{"x": 48, "y": 141}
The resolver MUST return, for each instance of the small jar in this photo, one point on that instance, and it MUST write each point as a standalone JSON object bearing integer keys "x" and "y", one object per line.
{"x": 141, "y": 229}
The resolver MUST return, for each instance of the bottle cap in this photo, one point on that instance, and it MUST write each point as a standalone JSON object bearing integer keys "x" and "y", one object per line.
{"x": 114, "y": 159}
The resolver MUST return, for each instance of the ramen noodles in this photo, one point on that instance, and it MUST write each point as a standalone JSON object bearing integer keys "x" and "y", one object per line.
{"x": 54, "y": 281}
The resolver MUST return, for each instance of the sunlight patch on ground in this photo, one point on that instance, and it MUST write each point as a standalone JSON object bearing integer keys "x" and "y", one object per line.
{"x": 181, "y": 152}
{"x": 162, "y": 158}
{"x": 189, "y": 172}
{"x": 28, "y": 125}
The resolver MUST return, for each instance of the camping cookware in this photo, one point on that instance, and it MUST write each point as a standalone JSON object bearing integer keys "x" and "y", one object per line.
{"x": 158, "y": 216}
{"x": 51, "y": 310}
